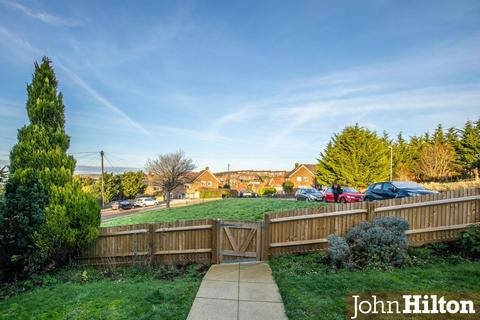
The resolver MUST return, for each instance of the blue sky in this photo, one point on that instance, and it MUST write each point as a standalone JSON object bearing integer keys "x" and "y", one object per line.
{"x": 257, "y": 84}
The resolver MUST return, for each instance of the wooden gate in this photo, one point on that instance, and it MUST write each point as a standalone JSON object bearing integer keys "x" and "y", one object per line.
{"x": 239, "y": 241}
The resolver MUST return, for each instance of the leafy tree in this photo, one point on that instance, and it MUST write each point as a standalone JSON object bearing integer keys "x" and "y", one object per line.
{"x": 469, "y": 148}
{"x": 71, "y": 217}
{"x": 89, "y": 185}
{"x": 133, "y": 183}
{"x": 20, "y": 218}
{"x": 439, "y": 136}
{"x": 355, "y": 157}
{"x": 403, "y": 162}
{"x": 287, "y": 186}
{"x": 113, "y": 187}
{"x": 171, "y": 171}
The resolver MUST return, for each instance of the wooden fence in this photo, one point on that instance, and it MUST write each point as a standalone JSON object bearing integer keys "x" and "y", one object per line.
{"x": 432, "y": 218}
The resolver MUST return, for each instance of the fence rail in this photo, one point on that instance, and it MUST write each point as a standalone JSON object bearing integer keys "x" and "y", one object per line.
{"x": 432, "y": 218}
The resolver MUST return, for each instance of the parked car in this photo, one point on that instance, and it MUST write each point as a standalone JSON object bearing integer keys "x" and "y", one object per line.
{"x": 309, "y": 194}
{"x": 348, "y": 195}
{"x": 122, "y": 205}
{"x": 247, "y": 194}
{"x": 395, "y": 189}
{"x": 146, "y": 202}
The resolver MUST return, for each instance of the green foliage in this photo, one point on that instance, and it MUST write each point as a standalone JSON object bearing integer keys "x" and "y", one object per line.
{"x": 469, "y": 148}
{"x": 112, "y": 187}
{"x": 228, "y": 209}
{"x": 20, "y": 218}
{"x": 355, "y": 157}
{"x": 379, "y": 244}
{"x": 469, "y": 241}
{"x": 71, "y": 216}
{"x": 267, "y": 191}
{"x": 130, "y": 292}
{"x": 309, "y": 292}
{"x": 214, "y": 193}
{"x": 133, "y": 183}
{"x": 287, "y": 186}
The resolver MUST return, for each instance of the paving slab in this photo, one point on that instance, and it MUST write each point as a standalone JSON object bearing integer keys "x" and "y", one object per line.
{"x": 240, "y": 291}
{"x": 213, "y": 309}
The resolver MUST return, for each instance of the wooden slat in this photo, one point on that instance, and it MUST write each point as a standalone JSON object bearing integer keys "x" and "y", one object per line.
{"x": 173, "y": 229}
{"x": 127, "y": 254}
{"x": 441, "y": 228}
{"x": 231, "y": 239}
{"x": 247, "y": 241}
{"x": 427, "y": 203}
{"x": 122, "y": 233}
{"x": 318, "y": 215}
{"x": 297, "y": 243}
{"x": 183, "y": 251}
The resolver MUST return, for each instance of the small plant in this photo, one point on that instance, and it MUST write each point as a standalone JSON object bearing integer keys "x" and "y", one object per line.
{"x": 469, "y": 241}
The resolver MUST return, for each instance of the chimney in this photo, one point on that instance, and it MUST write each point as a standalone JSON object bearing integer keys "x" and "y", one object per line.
{"x": 207, "y": 168}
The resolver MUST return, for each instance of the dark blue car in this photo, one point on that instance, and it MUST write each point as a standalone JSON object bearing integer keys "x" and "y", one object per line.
{"x": 395, "y": 189}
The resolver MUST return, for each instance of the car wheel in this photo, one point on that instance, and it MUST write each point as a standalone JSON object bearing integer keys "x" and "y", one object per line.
{"x": 308, "y": 199}
{"x": 343, "y": 200}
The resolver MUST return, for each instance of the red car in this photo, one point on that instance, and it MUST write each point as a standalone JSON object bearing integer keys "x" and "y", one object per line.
{"x": 348, "y": 195}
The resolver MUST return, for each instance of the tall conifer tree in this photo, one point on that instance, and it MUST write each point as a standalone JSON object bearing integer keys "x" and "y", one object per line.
{"x": 71, "y": 217}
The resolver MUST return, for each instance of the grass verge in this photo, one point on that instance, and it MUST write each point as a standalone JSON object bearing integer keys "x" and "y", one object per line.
{"x": 310, "y": 291}
{"x": 229, "y": 209}
{"x": 123, "y": 293}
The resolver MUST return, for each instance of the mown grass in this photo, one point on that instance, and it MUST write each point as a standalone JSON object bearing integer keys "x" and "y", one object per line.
{"x": 310, "y": 291}
{"x": 231, "y": 209}
{"x": 126, "y": 293}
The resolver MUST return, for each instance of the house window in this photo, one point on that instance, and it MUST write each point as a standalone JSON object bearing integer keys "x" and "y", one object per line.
{"x": 209, "y": 183}
{"x": 305, "y": 179}
{"x": 299, "y": 179}
{"x": 202, "y": 183}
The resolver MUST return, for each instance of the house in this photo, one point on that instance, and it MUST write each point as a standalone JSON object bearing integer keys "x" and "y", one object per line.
{"x": 277, "y": 183}
{"x": 303, "y": 176}
{"x": 203, "y": 180}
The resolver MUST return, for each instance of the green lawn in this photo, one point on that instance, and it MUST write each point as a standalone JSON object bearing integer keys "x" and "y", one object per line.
{"x": 128, "y": 293}
{"x": 309, "y": 291}
{"x": 229, "y": 209}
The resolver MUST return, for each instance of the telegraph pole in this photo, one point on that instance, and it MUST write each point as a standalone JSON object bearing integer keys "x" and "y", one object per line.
{"x": 103, "y": 179}
{"x": 391, "y": 163}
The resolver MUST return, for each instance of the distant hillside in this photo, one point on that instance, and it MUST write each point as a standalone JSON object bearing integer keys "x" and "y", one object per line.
{"x": 248, "y": 175}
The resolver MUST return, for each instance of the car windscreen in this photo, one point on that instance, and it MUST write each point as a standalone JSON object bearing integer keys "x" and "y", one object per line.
{"x": 408, "y": 185}
{"x": 350, "y": 190}
{"x": 311, "y": 191}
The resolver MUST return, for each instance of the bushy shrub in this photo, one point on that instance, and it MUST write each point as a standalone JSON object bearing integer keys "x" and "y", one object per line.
{"x": 20, "y": 218}
{"x": 267, "y": 191}
{"x": 469, "y": 241}
{"x": 287, "y": 186}
{"x": 339, "y": 252}
{"x": 380, "y": 244}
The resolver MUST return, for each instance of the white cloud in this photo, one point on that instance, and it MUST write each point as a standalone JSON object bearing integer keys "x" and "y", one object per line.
{"x": 39, "y": 15}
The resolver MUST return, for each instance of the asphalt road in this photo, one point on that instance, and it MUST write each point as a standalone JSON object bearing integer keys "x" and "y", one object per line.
{"x": 108, "y": 214}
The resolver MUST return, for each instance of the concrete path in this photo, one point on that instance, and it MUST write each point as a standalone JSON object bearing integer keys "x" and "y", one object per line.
{"x": 238, "y": 291}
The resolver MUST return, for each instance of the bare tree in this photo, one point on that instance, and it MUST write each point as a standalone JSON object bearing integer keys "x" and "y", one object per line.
{"x": 437, "y": 161}
{"x": 170, "y": 171}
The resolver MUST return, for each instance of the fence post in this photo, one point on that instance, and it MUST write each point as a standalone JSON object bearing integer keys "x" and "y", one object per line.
{"x": 214, "y": 243}
{"x": 265, "y": 237}
{"x": 151, "y": 234}
{"x": 370, "y": 210}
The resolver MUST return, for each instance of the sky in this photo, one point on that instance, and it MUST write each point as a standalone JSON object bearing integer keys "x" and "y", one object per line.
{"x": 253, "y": 84}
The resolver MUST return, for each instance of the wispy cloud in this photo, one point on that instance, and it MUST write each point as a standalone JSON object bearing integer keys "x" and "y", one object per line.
{"x": 39, "y": 15}
{"x": 99, "y": 98}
